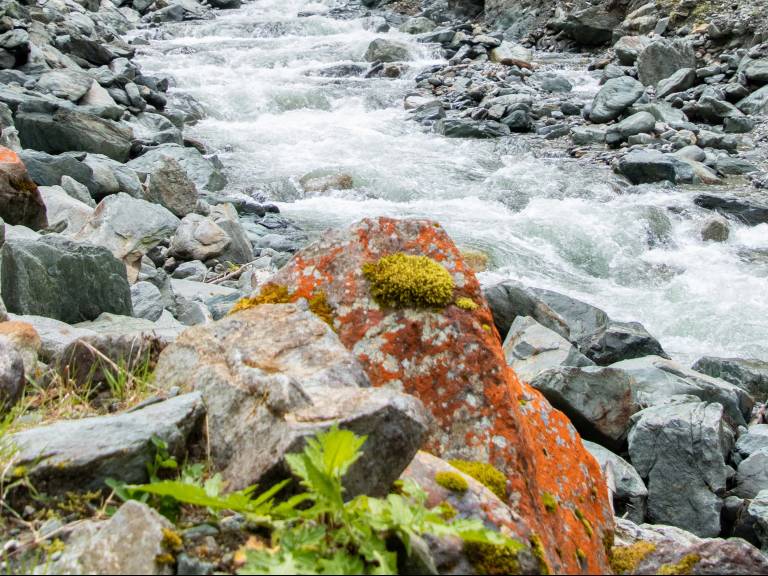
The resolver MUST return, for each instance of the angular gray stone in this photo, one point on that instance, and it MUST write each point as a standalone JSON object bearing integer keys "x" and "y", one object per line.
{"x": 679, "y": 81}
{"x": 383, "y": 50}
{"x": 592, "y": 26}
{"x": 752, "y": 474}
{"x": 193, "y": 271}
{"x": 419, "y": 25}
{"x": 756, "y": 103}
{"x": 170, "y": 186}
{"x": 753, "y": 440}
{"x": 239, "y": 250}
{"x": 749, "y": 374}
{"x": 585, "y": 135}
{"x": 620, "y": 341}
{"x": 628, "y": 48}
{"x": 203, "y": 172}
{"x": 147, "y": 301}
{"x": 81, "y": 454}
{"x": 509, "y": 300}
{"x": 55, "y": 335}
{"x": 758, "y": 512}
{"x": 60, "y": 279}
{"x": 662, "y": 58}
{"x": 198, "y": 238}
{"x": 638, "y": 123}
{"x": 64, "y": 212}
{"x": 467, "y": 128}
{"x": 12, "y": 379}
{"x": 128, "y": 543}
{"x": 680, "y": 449}
{"x": 614, "y": 98}
{"x": 280, "y": 374}
{"x": 756, "y": 71}
{"x": 630, "y": 495}
{"x": 69, "y": 84}
{"x": 644, "y": 166}
{"x": 530, "y": 348}
{"x": 599, "y": 401}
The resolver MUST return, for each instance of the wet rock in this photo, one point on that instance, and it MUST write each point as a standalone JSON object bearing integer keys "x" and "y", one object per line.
{"x": 451, "y": 359}
{"x": 592, "y": 26}
{"x": 530, "y": 348}
{"x": 382, "y": 50}
{"x": 643, "y": 166}
{"x": 747, "y": 211}
{"x": 129, "y": 228}
{"x": 279, "y": 373}
{"x": 662, "y": 58}
{"x": 317, "y": 184}
{"x": 599, "y": 401}
{"x": 622, "y": 340}
{"x": 419, "y": 25}
{"x": 511, "y": 54}
{"x": 614, "y": 98}
{"x": 20, "y": 200}
{"x": 630, "y": 494}
{"x": 641, "y": 122}
{"x": 71, "y": 130}
{"x": 466, "y": 128}
{"x": 747, "y": 373}
{"x": 681, "y": 449}
{"x": 715, "y": 230}
{"x": 170, "y": 186}
{"x": 81, "y": 454}
{"x": 12, "y": 378}
{"x": 672, "y": 549}
{"x": 60, "y": 279}
{"x": 509, "y": 300}
{"x": 198, "y": 238}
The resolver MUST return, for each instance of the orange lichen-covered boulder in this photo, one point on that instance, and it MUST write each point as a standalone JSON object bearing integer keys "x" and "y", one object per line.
{"x": 20, "y": 200}
{"x": 450, "y": 357}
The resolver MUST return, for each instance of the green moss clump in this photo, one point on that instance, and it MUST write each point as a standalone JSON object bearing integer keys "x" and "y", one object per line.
{"x": 447, "y": 511}
{"x": 492, "y": 558}
{"x": 269, "y": 294}
{"x": 549, "y": 501}
{"x": 625, "y": 559}
{"x": 452, "y": 481}
{"x": 318, "y": 304}
{"x": 584, "y": 522}
{"x": 467, "y": 304}
{"x": 581, "y": 556}
{"x": 404, "y": 281}
{"x": 172, "y": 540}
{"x": 684, "y": 566}
{"x": 537, "y": 548}
{"x": 484, "y": 473}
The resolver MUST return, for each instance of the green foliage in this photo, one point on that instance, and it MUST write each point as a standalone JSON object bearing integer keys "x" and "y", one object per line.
{"x": 452, "y": 481}
{"x": 405, "y": 281}
{"x": 317, "y": 531}
{"x": 484, "y": 473}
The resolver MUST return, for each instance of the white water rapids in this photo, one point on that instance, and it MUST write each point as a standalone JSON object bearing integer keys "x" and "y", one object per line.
{"x": 544, "y": 219}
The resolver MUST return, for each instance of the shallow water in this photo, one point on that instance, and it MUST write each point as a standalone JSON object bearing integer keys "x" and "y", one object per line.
{"x": 544, "y": 218}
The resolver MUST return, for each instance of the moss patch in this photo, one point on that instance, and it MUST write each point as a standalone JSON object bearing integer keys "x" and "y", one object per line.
{"x": 537, "y": 548}
{"x": 452, "y": 481}
{"x": 624, "y": 559}
{"x": 318, "y": 304}
{"x": 492, "y": 558}
{"x": 584, "y": 522}
{"x": 484, "y": 473}
{"x": 684, "y": 566}
{"x": 279, "y": 294}
{"x": 467, "y": 304}
{"x": 405, "y": 281}
{"x": 549, "y": 501}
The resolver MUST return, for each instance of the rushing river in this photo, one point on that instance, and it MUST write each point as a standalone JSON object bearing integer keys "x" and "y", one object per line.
{"x": 543, "y": 218}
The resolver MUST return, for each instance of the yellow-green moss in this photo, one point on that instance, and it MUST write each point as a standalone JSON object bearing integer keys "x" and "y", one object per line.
{"x": 537, "y": 548}
{"x": 405, "y": 281}
{"x": 549, "y": 501}
{"x": 467, "y": 304}
{"x": 625, "y": 559}
{"x": 172, "y": 540}
{"x": 584, "y": 522}
{"x": 269, "y": 294}
{"x": 684, "y": 566}
{"x": 452, "y": 481}
{"x": 165, "y": 559}
{"x": 484, "y": 473}
{"x": 476, "y": 260}
{"x": 447, "y": 511}
{"x": 487, "y": 328}
{"x": 492, "y": 558}
{"x": 318, "y": 304}
{"x": 581, "y": 556}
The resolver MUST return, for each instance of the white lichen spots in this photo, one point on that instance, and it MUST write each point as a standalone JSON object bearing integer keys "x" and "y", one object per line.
{"x": 472, "y": 400}
{"x": 499, "y": 442}
{"x": 459, "y": 279}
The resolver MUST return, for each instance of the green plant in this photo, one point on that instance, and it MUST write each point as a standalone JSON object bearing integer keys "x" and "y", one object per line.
{"x": 124, "y": 380}
{"x": 317, "y": 531}
{"x": 404, "y": 281}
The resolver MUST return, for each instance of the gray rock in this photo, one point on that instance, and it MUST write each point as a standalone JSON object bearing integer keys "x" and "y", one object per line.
{"x": 81, "y": 454}
{"x": 198, "y": 238}
{"x": 553, "y": 82}
{"x": 716, "y": 230}
{"x": 60, "y": 279}
{"x": 599, "y": 401}
{"x": 749, "y": 374}
{"x": 614, "y": 98}
{"x": 679, "y": 81}
{"x": 756, "y": 438}
{"x": 641, "y": 122}
{"x": 239, "y": 250}
{"x": 467, "y": 128}
{"x": 657, "y": 379}
{"x": 129, "y": 228}
{"x": 509, "y": 300}
{"x": 419, "y": 25}
{"x": 628, "y": 48}
{"x": 12, "y": 379}
{"x": 55, "y": 335}
{"x": 68, "y": 84}
{"x": 630, "y": 495}
{"x": 758, "y": 512}
{"x": 662, "y": 58}
{"x": 128, "y": 543}
{"x": 194, "y": 271}
{"x": 170, "y": 186}
{"x": 752, "y": 474}
{"x": 48, "y": 170}
{"x": 530, "y": 348}
{"x": 663, "y": 112}
{"x": 204, "y": 173}
{"x": 748, "y": 211}
{"x": 147, "y": 301}
{"x": 756, "y": 71}
{"x": 714, "y": 110}
{"x": 112, "y": 177}
{"x": 592, "y": 26}
{"x": 192, "y": 312}
{"x": 681, "y": 450}
{"x": 280, "y": 374}
{"x": 756, "y": 103}
{"x": 382, "y": 50}
{"x": 77, "y": 191}
{"x": 643, "y": 166}
{"x": 511, "y": 54}
{"x": 72, "y": 130}
{"x": 585, "y": 135}
{"x": 622, "y": 340}
{"x": 64, "y": 212}
{"x": 153, "y": 129}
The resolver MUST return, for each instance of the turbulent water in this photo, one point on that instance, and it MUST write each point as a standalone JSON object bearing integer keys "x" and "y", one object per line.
{"x": 545, "y": 219}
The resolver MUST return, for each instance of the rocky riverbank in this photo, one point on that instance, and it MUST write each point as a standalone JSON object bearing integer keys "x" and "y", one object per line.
{"x": 169, "y": 339}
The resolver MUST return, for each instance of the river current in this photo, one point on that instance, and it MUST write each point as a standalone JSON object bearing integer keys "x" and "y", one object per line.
{"x": 543, "y": 218}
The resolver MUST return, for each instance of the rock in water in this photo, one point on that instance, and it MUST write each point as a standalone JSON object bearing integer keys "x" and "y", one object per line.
{"x": 279, "y": 374}
{"x": 451, "y": 358}
{"x": 60, "y": 279}
{"x": 382, "y": 50}
{"x": 20, "y": 200}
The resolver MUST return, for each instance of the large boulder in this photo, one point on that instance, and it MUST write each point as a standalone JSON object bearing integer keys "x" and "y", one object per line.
{"x": 592, "y": 26}
{"x": 664, "y": 57}
{"x": 680, "y": 449}
{"x": 450, "y": 357}
{"x": 20, "y": 201}
{"x": 65, "y": 213}
{"x": 83, "y": 454}
{"x": 61, "y": 279}
{"x": 68, "y": 84}
{"x": 170, "y": 187}
{"x": 279, "y": 373}
{"x": 614, "y": 98}
{"x": 752, "y": 474}
{"x": 129, "y": 228}
{"x": 628, "y": 48}
{"x": 71, "y": 130}
{"x": 629, "y": 491}
{"x": 747, "y": 373}
{"x": 130, "y": 542}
